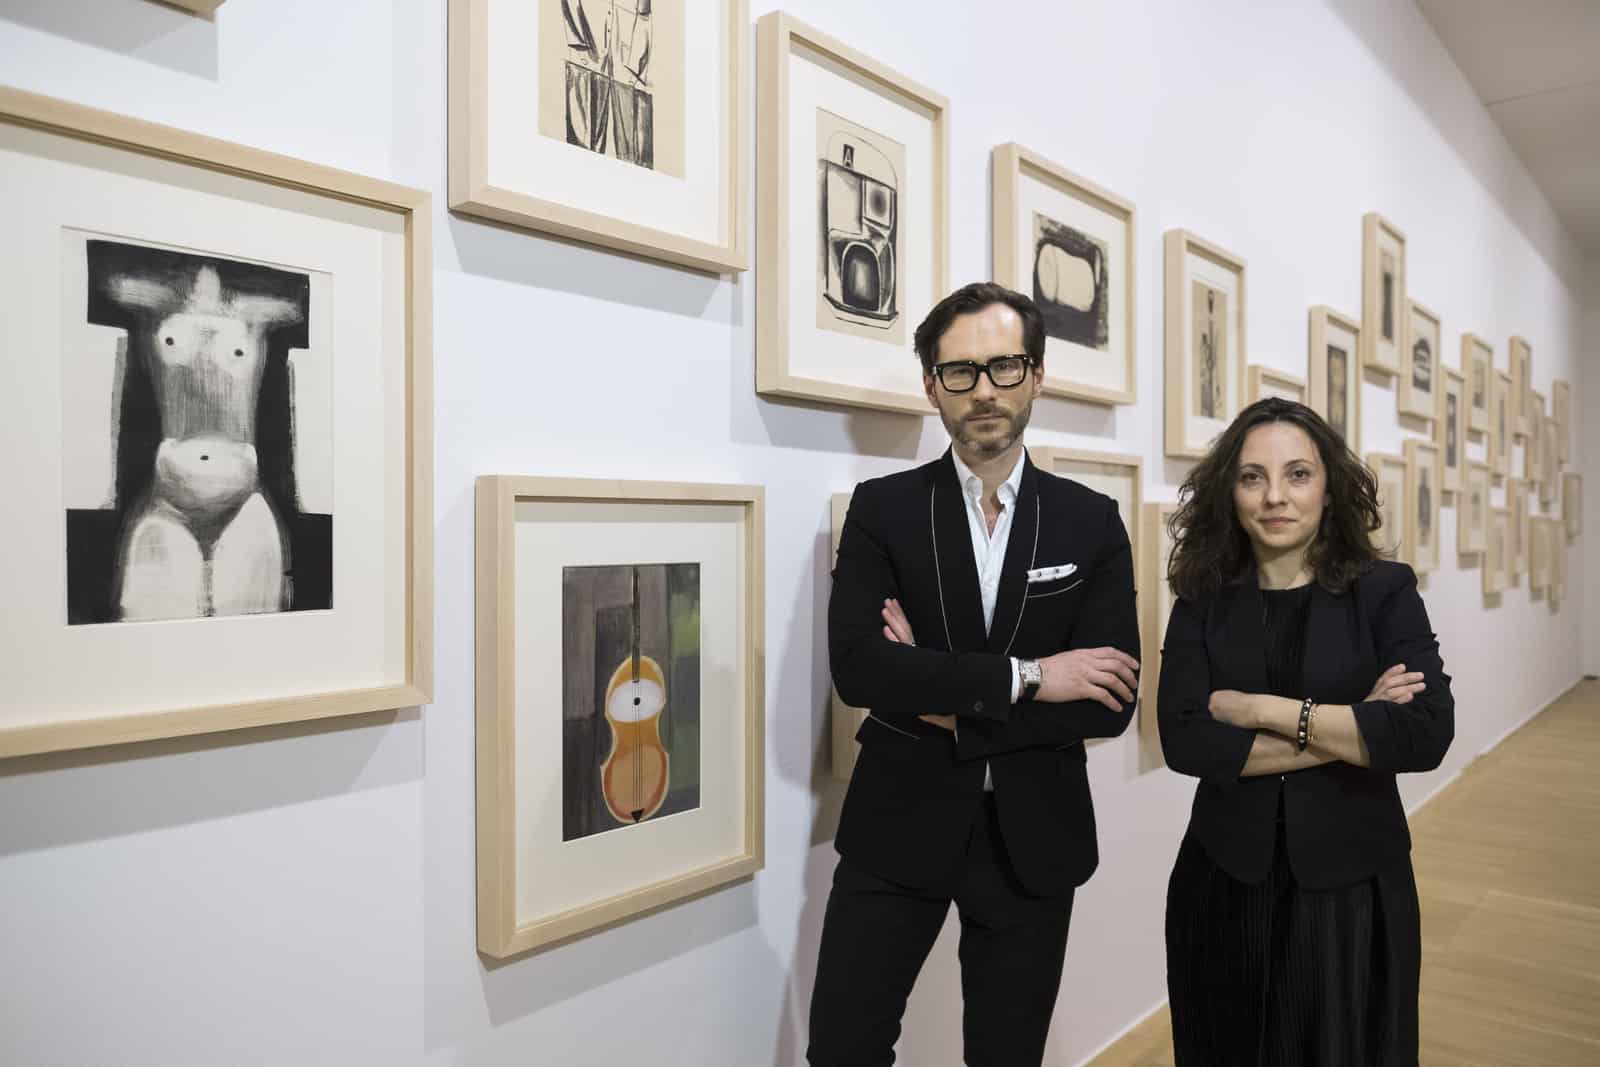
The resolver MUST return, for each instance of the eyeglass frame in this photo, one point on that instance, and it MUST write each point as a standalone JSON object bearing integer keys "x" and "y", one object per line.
{"x": 982, "y": 369}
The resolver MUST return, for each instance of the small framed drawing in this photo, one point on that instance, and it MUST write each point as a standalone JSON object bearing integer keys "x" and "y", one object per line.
{"x": 1070, "y": 245}
{"x": 1558, "y": 564}
{"x": 1516, "y": 529}
{"x": 1450, "y": 428}
{"x": 1334, "y": 390}
{"x": 1262, "y": 382}
{"x": 1532, "y": 466}
{"x": 1383, "y": 293}
{"x": 852, "y": 221}
{"x": 1561, "y": 410}
{"x": 1477, "y": 363}
{"x": 1393, "y": 536}
{"x": 1118, "y": 475}
{"x": 845, "y": 719}
{"x": 1472, "y": 511}
{"x": 1540, "y": 544}
{"x": 1498, "y": 446}
{"x": 1572, "y": 504}
{"x": 1155, "y": 540}
{"x": 1494, "y": 556}
{"x": 619, "y": 700}
{"x": 1549, "y": 468}
{"x": 1419, "y": 376}
{"x": 1205, "y": 341}
{"x": 1521, "y": 365}
{"x": 1422, "y": 503}
{"x": 218, "y": 363}
{"x": 617, "y": 123}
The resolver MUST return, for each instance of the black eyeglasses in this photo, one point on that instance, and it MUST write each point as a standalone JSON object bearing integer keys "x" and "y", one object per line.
{"x": 961, "y": 375}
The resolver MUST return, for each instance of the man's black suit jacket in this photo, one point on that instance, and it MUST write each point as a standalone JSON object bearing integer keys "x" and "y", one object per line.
{"x": 1343, "y": 823}
{"x": 916, "y": 787}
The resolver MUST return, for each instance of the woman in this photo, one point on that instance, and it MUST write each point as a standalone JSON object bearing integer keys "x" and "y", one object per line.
{"x": 1300, "y": 675}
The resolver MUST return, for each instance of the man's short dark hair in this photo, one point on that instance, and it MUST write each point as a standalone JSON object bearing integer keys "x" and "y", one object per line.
{"x": 976, "y": 297}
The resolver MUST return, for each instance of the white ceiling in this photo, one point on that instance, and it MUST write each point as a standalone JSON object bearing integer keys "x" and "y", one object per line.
{"x": 1536, "y": 66}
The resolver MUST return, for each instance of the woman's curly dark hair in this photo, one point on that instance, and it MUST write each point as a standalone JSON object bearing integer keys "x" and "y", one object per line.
{"x": 1210, "y": 548}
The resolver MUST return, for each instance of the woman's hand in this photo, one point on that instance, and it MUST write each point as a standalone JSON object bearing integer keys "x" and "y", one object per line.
{"x": 1397, "y": 685}
{"x": 1236, "y": 708}
{"x": 897, "y": 628}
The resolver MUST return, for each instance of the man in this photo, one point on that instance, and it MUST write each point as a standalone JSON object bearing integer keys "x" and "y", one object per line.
{"x": 984, "y": 611}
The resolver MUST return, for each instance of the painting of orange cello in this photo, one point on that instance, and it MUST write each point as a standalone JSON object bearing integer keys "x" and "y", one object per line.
{"x": 630, "y": 695}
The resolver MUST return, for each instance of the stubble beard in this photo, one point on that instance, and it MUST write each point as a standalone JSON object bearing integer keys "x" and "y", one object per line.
{"x": 987, "y": 445}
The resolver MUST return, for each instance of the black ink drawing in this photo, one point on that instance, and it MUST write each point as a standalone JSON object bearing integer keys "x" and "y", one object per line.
{"x": 1387, "y": 272}
{"x": 1452, "y": 408}
{"x": 630, "y": 684}
{"x": 1070, "y": 283}
{"x": 610, "y": 105}
{"x": 1422, "y": 365}
{"x": 1338, "y": 390}
{"x": 205, "y": 518}
{"x": 1424, "y": 508}
{"x": 858, "y": 226}
{"x": 1210, "y": 347}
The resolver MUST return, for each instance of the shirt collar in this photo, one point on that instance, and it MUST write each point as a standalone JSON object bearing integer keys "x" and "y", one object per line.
{"x": 972, "y": 485}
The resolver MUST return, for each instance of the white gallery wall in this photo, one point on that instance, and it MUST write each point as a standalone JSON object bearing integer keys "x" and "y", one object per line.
{"x": 305, "y": 894}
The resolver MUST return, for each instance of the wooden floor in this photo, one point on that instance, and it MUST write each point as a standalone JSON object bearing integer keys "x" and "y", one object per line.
{"x": 1508, "y": 868}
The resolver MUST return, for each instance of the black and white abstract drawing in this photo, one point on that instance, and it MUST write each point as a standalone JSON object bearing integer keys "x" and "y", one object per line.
{"x": 859, "y": 195}
{"x": 1071, "y": 283}
{"x": 1209, "y": 348}
{"x": 1422, "y": 364}
{"x": 610, "y": 93}
{"x": 204, "y": 516}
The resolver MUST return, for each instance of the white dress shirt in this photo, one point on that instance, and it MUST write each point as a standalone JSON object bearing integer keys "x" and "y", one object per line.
{"x": 989, "y": 549}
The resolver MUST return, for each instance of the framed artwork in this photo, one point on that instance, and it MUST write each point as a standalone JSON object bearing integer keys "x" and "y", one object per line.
{"x": 1393, "y": 536}
{"x": 1516, "y": 529}
{"x": 1420, "y": 374}
{"x": 219, "y": 360}
{"x": 617, "y": 123}
{"x": 1262, "y": 382}
{"x": 1572, "y": 504}
{"x": 1472, "y": 509}
{"x": 1558, "y": 564}
{"x": 1334, "y": 390}
{"x": 1541, "y": 544}
{"x": 1069, "y": 244}
{"x": 1155, "y": 542}
{"x": 1422, "y": 503}
{"x": 1498, "y": 446}
{"x": 1450, "y": 428}
{"x": 1561, "y": 410}
{"x": 1477, "y": 363}
{"x": 1549, "y": 468}
{"x": 1118, "y": 475}
{"x": 852, "y": 221}
{"x": 1205, "y": 341}
{"x": 619, "y": 700}
{"x": 1383, "y": 293}
{"x": 1494, "y": 556}
{"x": 1521, "y": 366}
{"x": 845, "y": 719}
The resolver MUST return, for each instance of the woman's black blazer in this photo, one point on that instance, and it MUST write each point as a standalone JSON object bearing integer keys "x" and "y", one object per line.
{"x": 1343, "y": 823}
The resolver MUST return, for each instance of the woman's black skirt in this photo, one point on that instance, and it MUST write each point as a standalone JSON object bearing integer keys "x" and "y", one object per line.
{"x": 1274, "y": 975}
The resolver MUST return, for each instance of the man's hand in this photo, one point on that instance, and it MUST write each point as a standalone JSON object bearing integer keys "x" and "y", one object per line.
{"x": 1108, "y": 675}
{"x": 1396, "y": 685}
{"x": 897, "y": 628}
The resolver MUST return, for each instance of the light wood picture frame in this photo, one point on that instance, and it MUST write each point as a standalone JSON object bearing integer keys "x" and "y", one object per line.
{"x": 666, "y": 185}
{"x": 1477, "y": 366}
{"x": 1419, "y": 374}
{"x": 1558, "y": 564}
{"x": 1541, "y": 549}
{"x": 1450, "y": 428}
{"x": 1520, "y": 366}
{"x": 1262, "y": 382}
{"x": 1069, "y": 244}
{"x": 1572, "y": 504}
{"x": 1206, "y": 315}
{"x": 1532, "y": 463}
{"x": 840, "y": 287}
{"x": 1119, "y": 475}
{"x": 166, "y": 233}
{"x": 1496, "y": 536}
{"x": 1517, "y": 529}
{"x": 1561, "y": 411}
{"x": 1472, "y": 509}
{"x": 1393, "y": 536}
{"x": 844, "y": 719}
{"x": 1422, "y": 504}
{"x": 1383, "y": 294}
{"x": 1497, "y": 446}
{"x": 1549, "y": 466}
{"x": 1155, "y": 609}
{"x": 665, "y": 581}
{"x": 1333, "y": 368}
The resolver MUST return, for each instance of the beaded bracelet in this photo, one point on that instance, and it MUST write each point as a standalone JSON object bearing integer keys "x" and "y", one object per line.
{"x": 1302, "y": 736}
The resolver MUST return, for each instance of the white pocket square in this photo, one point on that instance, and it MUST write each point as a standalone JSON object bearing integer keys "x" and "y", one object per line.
{"x": 1050, "y": 574}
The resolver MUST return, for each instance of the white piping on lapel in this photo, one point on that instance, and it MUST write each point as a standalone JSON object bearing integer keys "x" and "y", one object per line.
{"x": 938, "y": 571}
{"x": 1032, "y": 560}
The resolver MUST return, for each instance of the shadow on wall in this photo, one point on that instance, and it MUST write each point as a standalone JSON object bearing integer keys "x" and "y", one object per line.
{"x": 151, "y": 32}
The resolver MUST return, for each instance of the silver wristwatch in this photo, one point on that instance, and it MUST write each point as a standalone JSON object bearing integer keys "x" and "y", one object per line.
{"x": 1031, "y": 676}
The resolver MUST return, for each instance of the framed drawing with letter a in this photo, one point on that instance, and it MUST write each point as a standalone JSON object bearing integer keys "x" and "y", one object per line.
{"x": 1335, "y": 388}
{"x": 219, "y": 401}
{"x": 853, "y": 225}
{"x": 620, "y": 756}
{"x": 1069, "y": 244}
{"x": 1205, "y": 342}
{"x": 618, "y": 123}
{"x": 1383, "y": 294}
